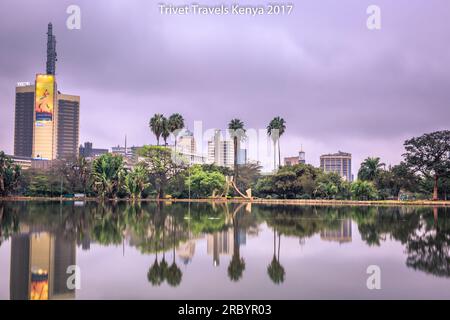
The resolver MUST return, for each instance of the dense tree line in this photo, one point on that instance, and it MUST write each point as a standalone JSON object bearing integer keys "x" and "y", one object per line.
{"x": 162, "y": 173}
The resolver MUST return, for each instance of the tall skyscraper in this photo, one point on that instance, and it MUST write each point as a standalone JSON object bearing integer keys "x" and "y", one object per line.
{"x": 24, "y": 117}
{"x": 68, "y": 116}
{"x": 340, "y": 163}
{"x": 221, "y": 152}
{"x": 46, "y": 121}
{"x": 186, "y": 143}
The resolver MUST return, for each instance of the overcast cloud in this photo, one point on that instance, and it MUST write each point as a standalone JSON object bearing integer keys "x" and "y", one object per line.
{"x": 339, "y": 85}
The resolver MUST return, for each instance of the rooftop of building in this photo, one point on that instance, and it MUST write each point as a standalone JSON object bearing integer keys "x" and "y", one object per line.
{"x": 338, "y": 154}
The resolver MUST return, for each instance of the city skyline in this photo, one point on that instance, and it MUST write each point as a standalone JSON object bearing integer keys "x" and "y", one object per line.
{"x": 338, "y": 85}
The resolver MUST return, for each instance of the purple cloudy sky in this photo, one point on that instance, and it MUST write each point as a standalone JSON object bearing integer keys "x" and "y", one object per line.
{"x": 338, "y": 85}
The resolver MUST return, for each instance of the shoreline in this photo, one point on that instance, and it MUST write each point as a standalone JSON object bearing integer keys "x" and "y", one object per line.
{"x": 290, "y": 202}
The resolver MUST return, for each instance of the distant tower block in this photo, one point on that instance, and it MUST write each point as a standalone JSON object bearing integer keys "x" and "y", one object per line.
{"x": 302, "y": 156}
{"x": 51, "y": 51}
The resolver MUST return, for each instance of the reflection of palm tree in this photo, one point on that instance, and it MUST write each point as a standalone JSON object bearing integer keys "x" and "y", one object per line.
{"x": 237, "y": 264}
{"x": 164, "y": 265}
{"x": 275, "y": 270}
{"x": 154, "y": 273}
{"x": 157, "y": 272}
{"x": 174, "y": 273}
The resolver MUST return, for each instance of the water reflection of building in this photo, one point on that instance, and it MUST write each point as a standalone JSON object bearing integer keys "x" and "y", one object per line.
{"x": 342, "y": 234}
{"x": 186, "y": 251}
{"x": 222, "y": 243}
{"x": 39, "y": 264}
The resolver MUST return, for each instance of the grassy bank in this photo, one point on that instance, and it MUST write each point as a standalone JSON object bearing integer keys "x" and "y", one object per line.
{"x": 293, "y": 202}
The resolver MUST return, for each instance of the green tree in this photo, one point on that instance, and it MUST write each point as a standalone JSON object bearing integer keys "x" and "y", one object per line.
{"x": 204, "y": 183}
{"x": 275, "y": 130}
{"x": 237, "y": 131}
{"x": 329, "y": 186}
{"x": 9, "y": 175}
{"x": 156, "y": 125}
{"x": 107, "y": 175}
{"x": 399, "y": 177}
{"x": 136, "y": 181}
{"x": 327, "y": 190}
{"x": 370, "y": 169}
{"x": 160, "y": 167}
{"x": 249, "y": 174}
{"x": 175, "y": 124}
{"x": 363, "y": 190}
{"x": 77, "y": 173}
{"x": 429, "y": 155}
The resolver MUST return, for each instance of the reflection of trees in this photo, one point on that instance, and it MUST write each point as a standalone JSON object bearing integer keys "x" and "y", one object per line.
{"x": 301, "y": 222}
{"x": 275, "y": 270}
{"x": 156, "y": 228}
{"x": 9, "y": 223}
{"x": 429, "y": 250}
{"x": 237, "y": 264}
{"x": 174, "y": 274}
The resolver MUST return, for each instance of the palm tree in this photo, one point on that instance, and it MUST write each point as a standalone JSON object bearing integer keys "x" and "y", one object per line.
{"x": 136, "y": 181}
{"x": 370, "y": 169}
{"x": 176, "y": 123}
{"x": 165, "y": 132}
{"x": 107, "y": 174}
{"x": 156, "y": 125}
{"x": 236, "y": 127}
{"x": 275, "y": 130}
{"x": 9, "y": 175}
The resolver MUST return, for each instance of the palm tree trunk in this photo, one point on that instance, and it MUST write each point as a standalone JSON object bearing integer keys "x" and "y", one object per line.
{"x": 435, "y": 191}
{"x": 279, "y": 242}
{"x": 274, "y": 155}
{"x": 174, "y": 239}
{"x": 235, "y": 160}
{"x": 279, "y": 154}
{"x": 274, "y": 242}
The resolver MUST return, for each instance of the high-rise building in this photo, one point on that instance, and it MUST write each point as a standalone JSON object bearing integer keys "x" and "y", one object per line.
{"x": 44, "y": 131}
{"x": 242, "y": 156}
{"x": 221, "y": 152}
{"x": 340, "y": 163}
{"x": 186, "y": 143}
{"x": 68, "y": 120}
{"x": 46, "y": 121}
{"x": 24, "y": 117}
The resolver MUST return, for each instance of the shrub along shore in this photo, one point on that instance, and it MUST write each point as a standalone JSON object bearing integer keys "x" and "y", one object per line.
{"x": 280, "y": 202}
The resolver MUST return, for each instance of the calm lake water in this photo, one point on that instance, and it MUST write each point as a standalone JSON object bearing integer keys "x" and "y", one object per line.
{"x": 204, "y": 251}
